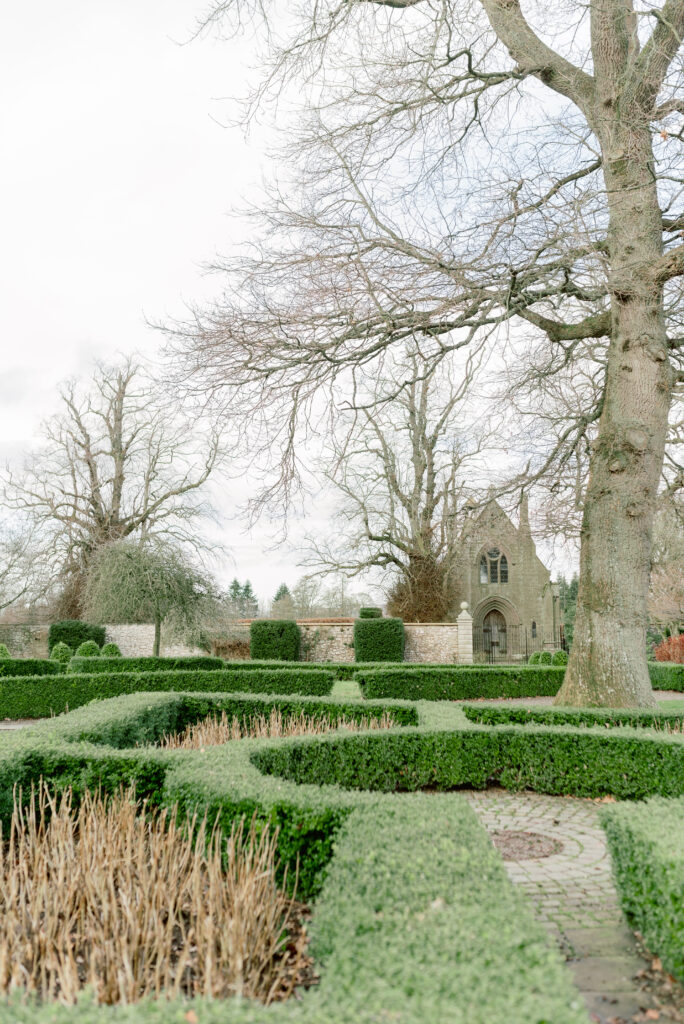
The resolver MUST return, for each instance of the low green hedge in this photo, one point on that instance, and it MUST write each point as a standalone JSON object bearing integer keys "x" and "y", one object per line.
{"x": 73, "y": 632}
{"x": 402, "y": 927}
{"x": 119, "y": 664}
{"x": 607, "y": 717}
{"x": 37, "y": 697}
{"x": 646, "y": 843}
{"x": 30, "y": 667}
{"x": 418, "y": 682}
{"x": 277, "y": 639}
{"x": 379, "y": 640}
{"x": 666, "y": 675}
{"x": 580, "y": 762}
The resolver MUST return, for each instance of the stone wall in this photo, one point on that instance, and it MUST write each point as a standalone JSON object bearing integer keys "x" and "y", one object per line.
{"x": 431, "y": 641}
{"x": 320, "y": 642}
{"x": 325, "y": 642}
{"x": 25, "y": 640}
{"x": 137, "y": 641}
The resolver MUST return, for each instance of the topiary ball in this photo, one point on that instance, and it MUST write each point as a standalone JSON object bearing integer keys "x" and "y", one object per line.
{"x": 61, "y": 652}
{"x": 88, "y": 649}
{"x": 545, "y": 658}
{"x": 4, "y": 653}
{"x": 110, "y": 650}
{"x": 560, "y": 658}
{"x": 534, "y": 658}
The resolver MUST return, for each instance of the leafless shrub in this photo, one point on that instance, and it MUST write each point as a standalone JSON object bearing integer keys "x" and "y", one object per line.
{"x": 137, "y": 904}
{"x": 231, "y": 650}
{"x": 212, "y": 731}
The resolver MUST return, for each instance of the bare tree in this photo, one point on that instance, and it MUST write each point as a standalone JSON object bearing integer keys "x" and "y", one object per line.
{"x": 399, "y": 475}
{"x": 465, "y": 166}
{"x": 22, "y": 575}
{"x": 120, "y": 460}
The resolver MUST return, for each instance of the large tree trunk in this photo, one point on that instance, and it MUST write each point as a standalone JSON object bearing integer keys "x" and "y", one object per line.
{"x": 607, "y": 664}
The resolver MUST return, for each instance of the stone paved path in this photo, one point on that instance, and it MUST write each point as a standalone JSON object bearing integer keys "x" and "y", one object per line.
{"x": 573, "y": 895}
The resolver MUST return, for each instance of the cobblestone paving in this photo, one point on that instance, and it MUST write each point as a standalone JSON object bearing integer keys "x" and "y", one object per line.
{"x": 573, "y": 895}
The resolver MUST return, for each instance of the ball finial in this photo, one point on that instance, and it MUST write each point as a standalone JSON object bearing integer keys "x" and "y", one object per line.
{"x": 464, "y": 606}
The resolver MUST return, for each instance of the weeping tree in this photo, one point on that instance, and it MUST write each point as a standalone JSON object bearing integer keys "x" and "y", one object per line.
{"x": 145, "y": 582}
{"x": 477, "y": 173}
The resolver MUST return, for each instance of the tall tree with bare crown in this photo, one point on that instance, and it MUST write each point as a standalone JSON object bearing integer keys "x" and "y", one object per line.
{"x": 483, "y": 173}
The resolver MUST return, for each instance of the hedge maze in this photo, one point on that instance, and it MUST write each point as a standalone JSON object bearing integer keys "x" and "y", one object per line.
{"x": 414, "y": 917}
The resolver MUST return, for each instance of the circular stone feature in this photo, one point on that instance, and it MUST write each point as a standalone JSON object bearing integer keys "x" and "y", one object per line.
{"x": 514, "y": 845}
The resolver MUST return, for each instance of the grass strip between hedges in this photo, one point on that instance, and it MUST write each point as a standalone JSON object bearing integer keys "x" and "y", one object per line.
{"x": 416, "y": 920}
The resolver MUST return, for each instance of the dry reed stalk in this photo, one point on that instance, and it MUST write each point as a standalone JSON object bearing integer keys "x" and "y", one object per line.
{"x": 212, "y": 731}
{"x": 137, "y": 904}
{"x": 673, "y": 728}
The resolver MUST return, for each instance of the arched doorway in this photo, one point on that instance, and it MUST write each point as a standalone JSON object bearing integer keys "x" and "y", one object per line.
{"x": 494, "y": 635}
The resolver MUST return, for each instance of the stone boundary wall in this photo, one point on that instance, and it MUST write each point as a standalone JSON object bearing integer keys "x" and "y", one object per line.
{"x": 425, "y": 641}
{"x": 25, "y": 640}
{"x": 137, "y": 641}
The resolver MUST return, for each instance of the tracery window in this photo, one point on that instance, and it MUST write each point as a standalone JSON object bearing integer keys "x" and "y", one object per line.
{"x": 493, "y": 567}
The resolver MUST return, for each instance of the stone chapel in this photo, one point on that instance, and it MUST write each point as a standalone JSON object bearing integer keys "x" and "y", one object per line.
{"x": 514, "y": 605}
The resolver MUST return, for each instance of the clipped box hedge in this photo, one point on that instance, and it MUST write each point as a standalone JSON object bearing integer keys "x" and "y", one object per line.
{"x": 38, "y": 697}
{"x": 30, "y": 667}
{"x": 377, "y": 639}
{"x": 606, "y": 717}
{"x": 579, "y": 762}
{"x": 646, "y": 843}
{"x": 275, "y": 639}
{"x": 73, "y": 632}
{"x": 419, "y": 682}
{"x": 147, "y": 664}
{"x": 402, "y": 927}
{"x": 666, "y": 675}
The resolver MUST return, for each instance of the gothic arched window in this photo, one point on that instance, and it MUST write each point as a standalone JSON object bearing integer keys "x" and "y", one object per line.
{"x": 493, "y": 567}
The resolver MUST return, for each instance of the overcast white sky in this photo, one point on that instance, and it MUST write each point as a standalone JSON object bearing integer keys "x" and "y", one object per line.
{"x": 116, "y": 181}
{"x": 116, "y": 184}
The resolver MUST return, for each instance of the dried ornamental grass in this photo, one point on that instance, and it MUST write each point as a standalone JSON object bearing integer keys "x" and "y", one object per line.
{"x": 213, "y": 731}
{"x": 137, "y": 905}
